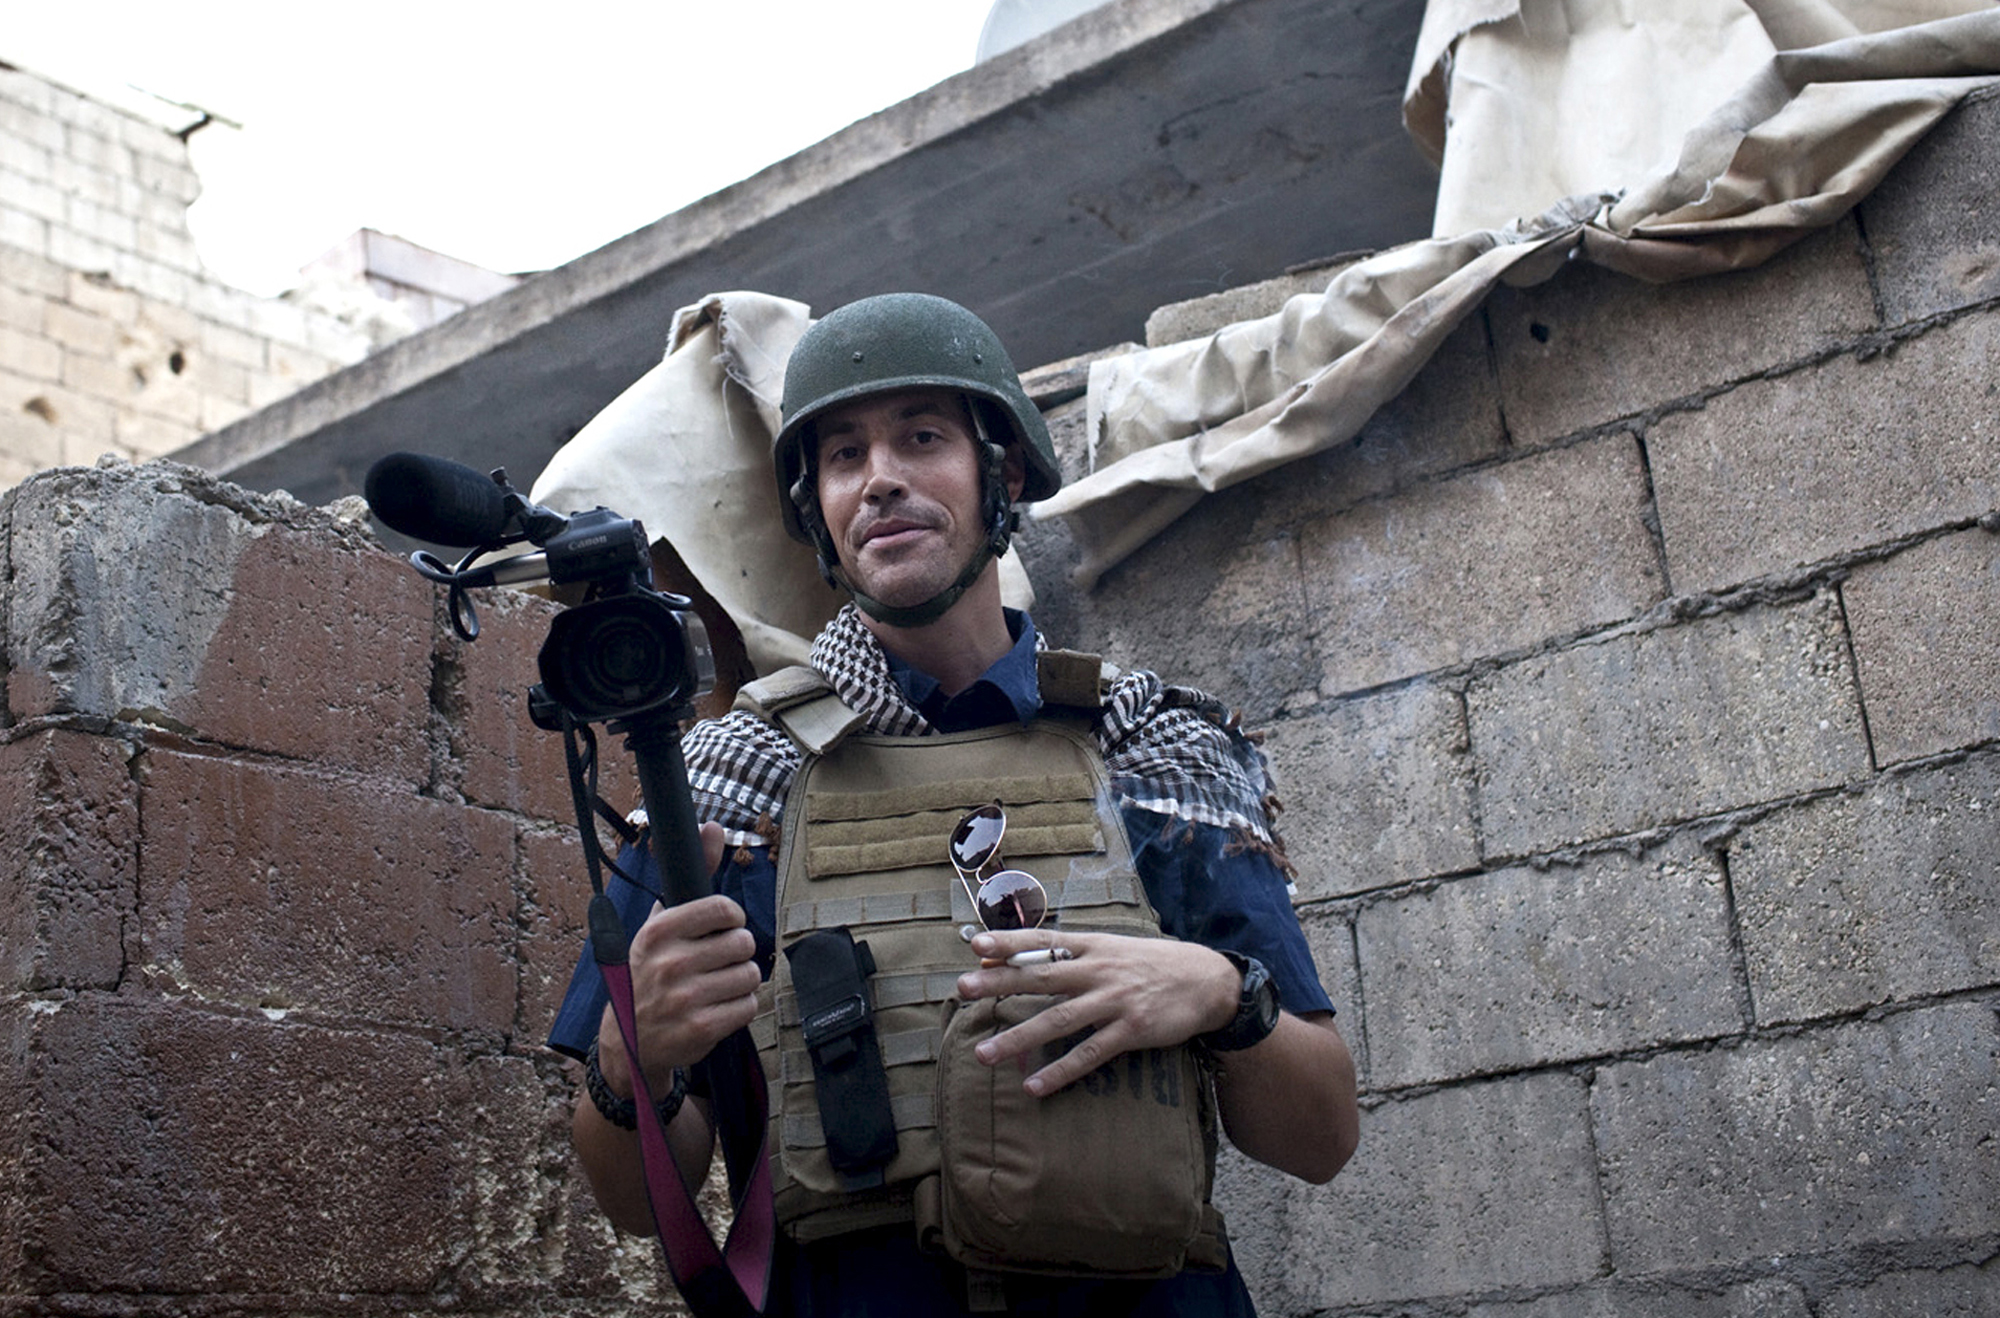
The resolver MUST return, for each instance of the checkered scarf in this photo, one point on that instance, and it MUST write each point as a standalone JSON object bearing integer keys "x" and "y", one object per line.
{"x": 1171, "y": 750}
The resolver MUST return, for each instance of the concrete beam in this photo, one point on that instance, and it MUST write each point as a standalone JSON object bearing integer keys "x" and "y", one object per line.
{"x": 1147, "y": 152}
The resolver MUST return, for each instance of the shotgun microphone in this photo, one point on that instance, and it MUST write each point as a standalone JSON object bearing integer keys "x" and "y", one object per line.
{"x": 436, "y": 500}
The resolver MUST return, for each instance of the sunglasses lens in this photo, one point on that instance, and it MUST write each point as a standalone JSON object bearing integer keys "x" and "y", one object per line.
{"x": 1012, "y": 899}
{"x": 976, "y": 840}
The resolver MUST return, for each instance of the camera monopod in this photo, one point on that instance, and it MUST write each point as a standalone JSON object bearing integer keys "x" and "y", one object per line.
{"x": 636, "y": 660}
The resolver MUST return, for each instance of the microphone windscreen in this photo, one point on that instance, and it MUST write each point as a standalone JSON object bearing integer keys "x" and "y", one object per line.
{"x": 435, "y": 499}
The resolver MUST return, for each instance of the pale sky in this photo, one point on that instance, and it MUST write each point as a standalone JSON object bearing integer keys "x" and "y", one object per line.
{"x": 514, "y": 135}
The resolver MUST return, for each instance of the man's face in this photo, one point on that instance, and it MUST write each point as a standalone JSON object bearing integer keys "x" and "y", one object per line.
{"x": 899, "y": 488}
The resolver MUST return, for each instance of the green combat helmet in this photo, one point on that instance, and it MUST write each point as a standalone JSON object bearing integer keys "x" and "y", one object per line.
{"x": 903, "y": 341}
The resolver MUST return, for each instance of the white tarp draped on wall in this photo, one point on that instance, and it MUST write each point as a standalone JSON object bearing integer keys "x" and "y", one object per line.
{"x": 1661, "y": 138}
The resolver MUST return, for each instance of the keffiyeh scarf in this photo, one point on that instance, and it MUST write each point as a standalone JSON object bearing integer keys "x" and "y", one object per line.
{"x": 1171, "y": 750}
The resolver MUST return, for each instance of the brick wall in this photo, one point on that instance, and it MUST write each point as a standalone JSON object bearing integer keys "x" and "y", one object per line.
{"x": 288, "y": 903}
{"x": 1634, "y": 687}
{"x": 113, "y": 338}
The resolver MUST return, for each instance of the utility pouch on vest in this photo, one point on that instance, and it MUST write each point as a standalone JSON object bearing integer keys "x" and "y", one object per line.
{"x": 830, "y": 973}
{"x": 1108, "y": 1177}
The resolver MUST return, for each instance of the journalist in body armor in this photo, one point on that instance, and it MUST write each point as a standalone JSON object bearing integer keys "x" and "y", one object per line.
{"x": 1009, "y": 929}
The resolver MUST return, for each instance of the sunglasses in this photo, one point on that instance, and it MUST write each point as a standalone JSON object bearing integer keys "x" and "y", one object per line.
{"x": 1010, "y": 899}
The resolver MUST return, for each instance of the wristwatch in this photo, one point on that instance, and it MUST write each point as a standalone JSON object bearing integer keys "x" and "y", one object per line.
{"x": 1256, "y": 1009}
{"x": 623, "y": 1111}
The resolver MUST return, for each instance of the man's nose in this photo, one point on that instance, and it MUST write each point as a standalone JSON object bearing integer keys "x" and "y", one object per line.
{"x": 884, "y": 474}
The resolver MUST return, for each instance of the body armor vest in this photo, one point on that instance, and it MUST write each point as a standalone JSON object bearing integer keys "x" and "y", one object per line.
{"x": 867, "y": 820}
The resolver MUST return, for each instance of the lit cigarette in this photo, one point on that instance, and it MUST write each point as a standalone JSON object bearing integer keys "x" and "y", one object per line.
{"x": 1041, "y": 956}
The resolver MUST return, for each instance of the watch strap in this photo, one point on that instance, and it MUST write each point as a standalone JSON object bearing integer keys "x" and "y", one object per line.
{"x": 1256, "y": 1008}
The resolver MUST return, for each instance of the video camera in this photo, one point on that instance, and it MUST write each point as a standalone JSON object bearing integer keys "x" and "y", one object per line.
{"x": 625, "y": 649}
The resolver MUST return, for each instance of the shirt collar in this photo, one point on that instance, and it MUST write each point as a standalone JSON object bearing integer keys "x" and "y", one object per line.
{"x": 1012, "y": 679}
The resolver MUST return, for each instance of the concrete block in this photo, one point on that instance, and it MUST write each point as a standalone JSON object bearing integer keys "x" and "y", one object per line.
{"x": 24, "y": 158}
{"x": 21, "y": 309}
{"x": 212, "y": 376}
{"x": 276, "y": 319}
{"x": 1447, "y": 418}
{"x": 217, "y": 412}
{"x": 1378, "y": 790}
{"x": 1523, "y": 968}
{"x": 80, "y": 251}
{"x": 97, "y": 151}
{"x": 33, "y": 196}
{"x": 74, "y": 419}
{"x": 75, "y": 178}
{"x": 1639, "y": 731}
{"x": 1923, "y": 625}
{"x": 161, "y": 595}
{"x": 97, "y": 295}
{"x": 29, "y": 354}
{"x": 1591, "y": 346}
{"x": 29, "y": 124}
{"x": 1930, "y": 223}
{"x": 26, "y": 89}
{"x": 170, "y": 247}
{"x": 172, "y": 1151}
{"x": 141, "y": 435}
{"x": 1969, "y": 1290}
{"x": 1871, "y": 1133}
{"x": 28, "y": 441}
{"x": 345, "y": 900}
{"x": 1329, "y": 933}
{"x": 99, "y": 377}
{"x": 498, "y": 756}
{"x": 163, "y": 285}
{"x": 1880, "y": 896}
{"x": 555, "y": 894}
{"x": 167, "y": 178}
{"x": 1829, "y": 460}
{"x": 1208, "y": 603}
{"x": 80, "y": 331}
{"x": 24, "y": 233}
{"x": 111, "y": 227}
{"x": 1767, "y": 1298}
{"x": 31, "y": 270}
{"x": 233, "y": 345}
{"x": 69, "y": 822}
{"x": 1545, "y": 546}
{"x": 1472, "y": 1188}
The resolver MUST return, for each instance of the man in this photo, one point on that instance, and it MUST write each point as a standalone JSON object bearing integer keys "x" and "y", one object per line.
{"x": 906, "y": 441}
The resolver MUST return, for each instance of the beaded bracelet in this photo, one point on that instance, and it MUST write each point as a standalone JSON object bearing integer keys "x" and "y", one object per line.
{"x": 623, "y": 1111}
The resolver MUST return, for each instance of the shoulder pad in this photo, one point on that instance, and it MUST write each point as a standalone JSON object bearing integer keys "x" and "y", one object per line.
{"x": 1073, "y": 679}
{"x": 801, "y": 701}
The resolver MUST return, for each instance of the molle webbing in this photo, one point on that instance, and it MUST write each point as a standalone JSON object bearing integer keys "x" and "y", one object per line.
{"x": 864, "y": 849}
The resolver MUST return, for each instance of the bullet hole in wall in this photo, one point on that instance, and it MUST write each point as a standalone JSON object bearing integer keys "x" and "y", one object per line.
{"x": 41, "y": 407}
{"x": 1539, "y": 331}
{"x": 177, "y": 361}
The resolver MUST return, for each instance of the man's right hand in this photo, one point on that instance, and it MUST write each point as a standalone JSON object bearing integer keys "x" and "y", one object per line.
{"x": 694, "y": 983}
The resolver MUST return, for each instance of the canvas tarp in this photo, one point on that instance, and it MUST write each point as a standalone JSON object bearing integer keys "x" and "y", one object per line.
{"x": 1548, "y": 115}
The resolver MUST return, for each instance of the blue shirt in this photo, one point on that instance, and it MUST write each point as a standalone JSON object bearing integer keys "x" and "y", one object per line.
{"x": 1205, "y": 888}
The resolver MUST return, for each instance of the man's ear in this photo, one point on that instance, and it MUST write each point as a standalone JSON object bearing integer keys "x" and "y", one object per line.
{"x": 1014, "y": 471}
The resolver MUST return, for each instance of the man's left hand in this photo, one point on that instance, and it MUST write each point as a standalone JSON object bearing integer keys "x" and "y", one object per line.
{"x": 1130, "y": 993}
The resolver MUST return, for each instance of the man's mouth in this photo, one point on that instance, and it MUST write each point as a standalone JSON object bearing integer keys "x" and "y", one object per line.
{"x": 894, "y": 531}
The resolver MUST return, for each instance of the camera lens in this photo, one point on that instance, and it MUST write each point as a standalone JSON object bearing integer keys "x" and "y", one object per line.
{"x": 615, "y": 657}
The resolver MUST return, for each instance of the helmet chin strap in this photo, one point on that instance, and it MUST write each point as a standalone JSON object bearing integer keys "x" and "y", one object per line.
{"x": 996, "y": 505}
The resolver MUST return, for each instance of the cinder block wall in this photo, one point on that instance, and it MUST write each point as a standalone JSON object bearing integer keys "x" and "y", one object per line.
{"x": 288, "y": 901}
{"x": 1634, "y": 684}
{"x": 113, "y": 336}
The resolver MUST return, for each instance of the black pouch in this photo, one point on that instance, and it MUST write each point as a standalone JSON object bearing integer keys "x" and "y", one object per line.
{"x": 830, "y": 973}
